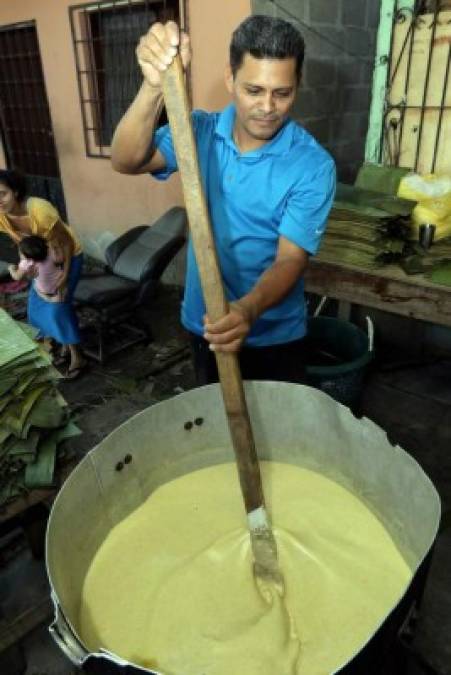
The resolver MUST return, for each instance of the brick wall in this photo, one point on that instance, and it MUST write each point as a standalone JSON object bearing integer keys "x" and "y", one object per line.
{"x": 334, "y": 99}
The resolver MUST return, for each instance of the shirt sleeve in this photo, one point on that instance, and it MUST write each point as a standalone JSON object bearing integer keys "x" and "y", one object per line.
{"x": 44, "y": 216}
{"x": 308, "y": 207}
{"x": 163, "y": 143}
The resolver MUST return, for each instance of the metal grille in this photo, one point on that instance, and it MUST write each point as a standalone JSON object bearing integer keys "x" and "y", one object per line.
{"x": 105, "y": 36}
{"x": 417, "y": 119}
{"x": 25, "y": 123}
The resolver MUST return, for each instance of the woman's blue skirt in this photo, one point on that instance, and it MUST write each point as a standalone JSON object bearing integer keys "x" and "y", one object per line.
{"x": 57, "y": 320}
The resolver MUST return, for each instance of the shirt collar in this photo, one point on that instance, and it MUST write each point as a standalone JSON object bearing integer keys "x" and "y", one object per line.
{"x": 279, "y": 145}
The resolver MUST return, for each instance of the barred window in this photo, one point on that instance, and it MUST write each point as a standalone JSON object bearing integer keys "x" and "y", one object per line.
{"x": 105, "y": 36}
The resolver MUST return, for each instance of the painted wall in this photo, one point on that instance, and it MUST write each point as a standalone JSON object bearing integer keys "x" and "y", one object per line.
{"x": 210, "y": 49}
{"x": 99, "y": 200}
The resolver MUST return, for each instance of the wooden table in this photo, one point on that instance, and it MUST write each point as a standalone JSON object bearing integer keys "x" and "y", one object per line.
{"x": 387, "y": 288}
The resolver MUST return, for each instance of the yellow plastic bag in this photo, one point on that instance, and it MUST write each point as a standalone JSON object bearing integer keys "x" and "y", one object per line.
{"x": 430, "y": 186}
{"x": 433, "y": 194}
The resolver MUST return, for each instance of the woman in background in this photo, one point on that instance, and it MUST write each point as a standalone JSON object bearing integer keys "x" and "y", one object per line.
{"x": 21, "y": 217}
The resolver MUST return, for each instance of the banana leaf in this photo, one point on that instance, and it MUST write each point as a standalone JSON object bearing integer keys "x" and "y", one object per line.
{"x": 25, "y": 382}
{"x": 25, "y": 446}
{"x": 372, "y": 202}
{"x": 5, "y": 401}
{"x": 380, "y": 178}
{"x": 41, "y": 472}
{"x": 4, "y": 433}
{"x": 28, "y": 329}
{"x": 15, "y": 415}
{"x": 20, "y": 363}
{"x": 9, "y": 489}
{"x": 34, "y": 363}
{"x": 48, "y": 413}
{"x": 48, "y": 374}
{"x": 33, "y": 414}
{"x": 6, "y": 384}
{"x": 441, "y": 274}
{"x": 14, "y": 343}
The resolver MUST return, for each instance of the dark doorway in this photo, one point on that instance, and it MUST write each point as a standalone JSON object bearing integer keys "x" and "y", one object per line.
{"x": 25, "y": 123}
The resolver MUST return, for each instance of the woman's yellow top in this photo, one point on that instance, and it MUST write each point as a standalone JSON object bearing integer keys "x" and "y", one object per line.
{"x": 43, "y": 216}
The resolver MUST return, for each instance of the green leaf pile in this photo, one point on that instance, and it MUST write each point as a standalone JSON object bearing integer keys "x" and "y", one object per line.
{"x": 34, "y": 417}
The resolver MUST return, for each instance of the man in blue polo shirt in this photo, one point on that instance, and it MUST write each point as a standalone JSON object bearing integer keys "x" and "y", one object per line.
{"x": 269, "y": 187}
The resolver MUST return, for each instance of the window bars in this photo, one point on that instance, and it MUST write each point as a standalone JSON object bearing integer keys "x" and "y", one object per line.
{"x": 105, "y": 36}
{"x": 417, "y": 116}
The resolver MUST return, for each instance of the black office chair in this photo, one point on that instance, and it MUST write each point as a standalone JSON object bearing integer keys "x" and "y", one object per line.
{"x": 135, "y": 263}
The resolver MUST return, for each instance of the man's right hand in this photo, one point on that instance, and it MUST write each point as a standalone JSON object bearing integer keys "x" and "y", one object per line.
{"x": 132, "y": 150}
{"x": 157, "y": 49}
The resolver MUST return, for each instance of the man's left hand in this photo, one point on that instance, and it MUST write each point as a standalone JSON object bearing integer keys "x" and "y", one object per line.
{"x": 229, "y": 333}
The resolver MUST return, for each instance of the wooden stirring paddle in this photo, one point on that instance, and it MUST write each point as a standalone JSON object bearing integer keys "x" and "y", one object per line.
{"x": 266, "y": 568}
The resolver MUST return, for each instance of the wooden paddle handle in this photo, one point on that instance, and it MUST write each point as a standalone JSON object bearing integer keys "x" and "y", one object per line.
{"x": 178, "y": 111}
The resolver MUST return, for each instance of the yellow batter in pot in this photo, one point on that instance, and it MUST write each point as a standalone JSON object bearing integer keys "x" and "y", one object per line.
{"x": 171, "y": 588}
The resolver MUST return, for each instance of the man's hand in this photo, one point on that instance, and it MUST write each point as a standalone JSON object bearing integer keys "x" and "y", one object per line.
{"x": 157, "y": 49}
{"x": 132, "y": 148}
{"x": 229, "y": 333}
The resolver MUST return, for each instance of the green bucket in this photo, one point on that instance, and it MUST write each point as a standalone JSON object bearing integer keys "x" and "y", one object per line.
{"x": 338, "y": 354}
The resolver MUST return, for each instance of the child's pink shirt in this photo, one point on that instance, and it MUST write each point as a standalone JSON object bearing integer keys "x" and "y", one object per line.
{"x": 48, "y": 273}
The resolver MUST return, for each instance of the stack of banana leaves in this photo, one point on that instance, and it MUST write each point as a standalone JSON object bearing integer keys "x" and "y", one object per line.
{"x": 34, "y": 417}
{"x": 366, "y": 228}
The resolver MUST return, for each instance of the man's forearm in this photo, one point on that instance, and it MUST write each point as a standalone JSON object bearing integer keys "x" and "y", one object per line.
{"x": 273, "y": 286}
{"x": 228, "y": 333}
{"x": 132, "y": 145}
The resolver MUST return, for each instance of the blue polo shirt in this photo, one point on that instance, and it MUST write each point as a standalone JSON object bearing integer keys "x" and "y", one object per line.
{"x": 285, "y": 187}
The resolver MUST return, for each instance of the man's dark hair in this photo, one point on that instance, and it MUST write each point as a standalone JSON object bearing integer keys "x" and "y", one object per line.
{"x": 15, "y": 181}
{"x": 266, "y": 37}
{"x": 34, "y": 247}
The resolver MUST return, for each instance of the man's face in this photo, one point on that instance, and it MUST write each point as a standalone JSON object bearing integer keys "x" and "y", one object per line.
{"x": 263, "y": 91}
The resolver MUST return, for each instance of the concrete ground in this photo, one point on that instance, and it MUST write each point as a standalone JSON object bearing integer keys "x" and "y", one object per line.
{"x": 411, "y": 401}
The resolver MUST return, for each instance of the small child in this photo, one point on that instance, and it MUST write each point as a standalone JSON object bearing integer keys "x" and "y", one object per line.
{"x": 41, "y": 264}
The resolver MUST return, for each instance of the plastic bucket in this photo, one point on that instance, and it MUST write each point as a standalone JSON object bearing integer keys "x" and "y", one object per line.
{"x": 338, "y": 353}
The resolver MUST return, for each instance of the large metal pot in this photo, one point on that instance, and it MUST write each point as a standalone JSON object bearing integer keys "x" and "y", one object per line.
{"x": 292, "y": 424}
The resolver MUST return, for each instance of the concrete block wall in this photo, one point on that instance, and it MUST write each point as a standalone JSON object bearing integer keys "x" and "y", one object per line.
{"x": 334, "y": 100}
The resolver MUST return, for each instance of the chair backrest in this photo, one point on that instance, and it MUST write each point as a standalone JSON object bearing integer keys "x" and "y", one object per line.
{"x": 144, "y": 252}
